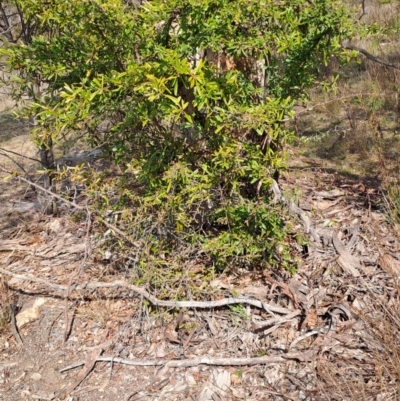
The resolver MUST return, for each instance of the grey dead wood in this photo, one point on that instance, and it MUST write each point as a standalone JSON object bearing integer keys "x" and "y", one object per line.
{"x": 275, "y": 321}
{"x": 188, "y": 363}
{"x": 93, "y": 285}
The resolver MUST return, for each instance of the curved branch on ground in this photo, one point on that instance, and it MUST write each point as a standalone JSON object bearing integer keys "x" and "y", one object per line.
{"x": 92, "y": 285}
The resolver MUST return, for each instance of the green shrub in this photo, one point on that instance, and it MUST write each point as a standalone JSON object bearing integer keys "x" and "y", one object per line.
{"x": 193, "y": 96}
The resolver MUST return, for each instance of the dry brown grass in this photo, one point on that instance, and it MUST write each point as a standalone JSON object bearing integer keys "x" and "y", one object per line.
{"x": 357, "y": 130}
{"x": 374, "y": 372}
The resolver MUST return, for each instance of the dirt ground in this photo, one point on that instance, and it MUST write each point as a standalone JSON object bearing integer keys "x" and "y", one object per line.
{"x": 310, "y": 336}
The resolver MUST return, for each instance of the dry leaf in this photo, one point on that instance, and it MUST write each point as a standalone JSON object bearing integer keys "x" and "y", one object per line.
{"x": 236, "y": 378}
{"x": 171, "y": 334}
{"x": 312, "y": 318}
{"x": 323, "y": 204}
{"x": 389, "y": 264}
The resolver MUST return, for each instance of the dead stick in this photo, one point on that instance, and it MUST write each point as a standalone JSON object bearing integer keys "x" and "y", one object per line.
{"x": 171, "y": 304}
{"x": 45, "y": 190}
{"x": 187, "y": 363}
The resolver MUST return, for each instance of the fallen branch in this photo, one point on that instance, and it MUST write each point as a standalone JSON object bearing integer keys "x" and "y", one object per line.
{"x": 187, "y": 363}
{"x": 92, "y": 285}
{"x": 45, "y": 190}
{"x": 346, "y": 45}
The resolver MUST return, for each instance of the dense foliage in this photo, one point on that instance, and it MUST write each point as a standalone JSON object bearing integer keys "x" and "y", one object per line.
{"x": 189, "y": 98}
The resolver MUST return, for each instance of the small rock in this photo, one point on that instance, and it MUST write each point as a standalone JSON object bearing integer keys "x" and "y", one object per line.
{"x": 36, "y": 376}
{"x": 107, "y": 255}
{"x": 27, "y": 316}
{"x": 39, "y": 302}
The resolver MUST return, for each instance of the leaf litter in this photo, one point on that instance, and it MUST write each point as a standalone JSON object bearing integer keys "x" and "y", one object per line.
{"x": 328, "y": 332}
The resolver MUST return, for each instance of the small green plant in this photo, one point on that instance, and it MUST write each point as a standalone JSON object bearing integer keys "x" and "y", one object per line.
{"x": 238, "y": 310}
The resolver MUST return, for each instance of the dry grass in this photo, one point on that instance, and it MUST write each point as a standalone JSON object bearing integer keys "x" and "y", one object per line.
{"x": 373, "y": 374}
{"x": 103, "y": 312}
{"x": 357, "y": 130}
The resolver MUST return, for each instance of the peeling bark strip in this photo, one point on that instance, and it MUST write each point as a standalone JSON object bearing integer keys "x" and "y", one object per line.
{"x": 346, "y": 260}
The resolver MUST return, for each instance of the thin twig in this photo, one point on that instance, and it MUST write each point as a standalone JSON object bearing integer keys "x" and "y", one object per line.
{"x": 14, "y": 161}
{"x": 92, "y": 285}
{"x": 19, "y": 155}
{"x": 46, "y": 190}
